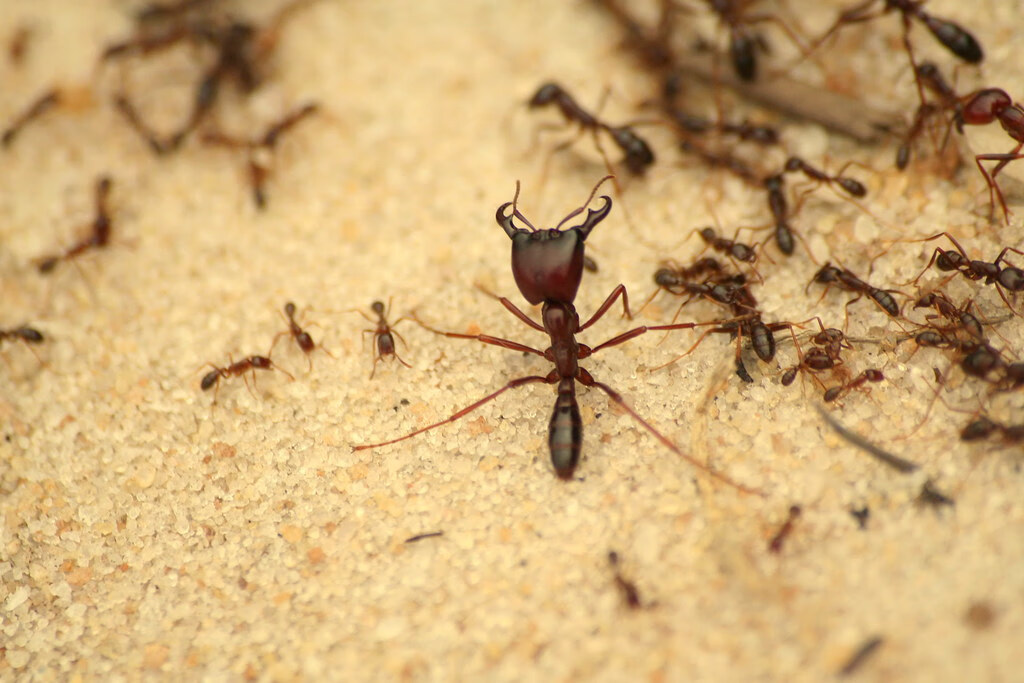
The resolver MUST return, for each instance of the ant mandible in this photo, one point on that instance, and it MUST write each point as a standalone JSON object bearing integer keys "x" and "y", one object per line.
{"x": 548, "y": 267}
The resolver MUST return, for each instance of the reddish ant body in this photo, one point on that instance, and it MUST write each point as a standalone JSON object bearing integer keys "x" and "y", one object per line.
{"x": 238, "y": 369}
{"x": 732, "y": 248}
{"x": 830, "y": 275}
{"x": 850, "y": 186}
{"x": 982, "y": 108}
{"x": 638, "y": 155}
{"x": 627, "y": 589}
{"x": 302, "y": 338}
{"x": 775, "y": 545}
{"x": 383, "y": 335}
{"x": 869, "y": 375}
{"x": 1009, "y": 278}
{"x": 547, "y": 266}
{"x": 98, "y": 238}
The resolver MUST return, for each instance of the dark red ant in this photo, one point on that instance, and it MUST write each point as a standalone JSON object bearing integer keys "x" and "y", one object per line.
{"x": 744, "y": 130}
{"x": 302, "y": 338}
{"x": 775, "y": 545}
{"x": 869, "y": 375}
{"x": 982, "y": 108}
{"x": 239, "y": 369}
{"x": 24, "y": 334}
{"x": 40, "y": 106}
{"x": 383, "y": 335}
{"x": 930, "y": 77}
{"x": 827, "y": 354}
{"x": 98, "y": 238}
{"x": 258, "y": 148}
{"x": 732, "y": 248}
{"x": 830, "y": 275}
{"x": 960, "y": 316}
{"x": 547, "y": 266}
{"x": 638, "y": 154}
{"x": 1009, "y": 278}
{"x": 984, "y": 427}
{"x": 954, "y": 37}
{"x": 850, "y": 186}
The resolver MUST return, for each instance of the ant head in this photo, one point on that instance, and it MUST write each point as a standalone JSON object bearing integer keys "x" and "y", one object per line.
{"x": 377, "y": 307}
{"x": 548, "y": 264}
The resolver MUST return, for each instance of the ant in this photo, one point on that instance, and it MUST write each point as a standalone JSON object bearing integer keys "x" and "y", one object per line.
{"x": 547, "y": 266}
{"x": 98, "y": 238}
{"x": 869, "y": 375}
{"x": 40, "y": 106}
{"x": 26, "y": 335}
{"x": 240, "y": 47}
{"x": 960, "y": 316}
{"x": 984, "y": 427}
{"x": 262, "y": 145}
{"x": 928, "y": 75}
{"x": 383, "y": 335}
{"x": 638, "y": 155}
{"x": 981, "y": 108}
{"x": 826, "y": 355}
{"x": 627, "y": 589}
{"x": 829, "y": 275}
{"x": 952, "y": 36}
{"x": 238, "y": 369}
{"x": 744, "y": 130}
{"x": 1009, "y": 278}
{"x": 302, "y": 338}
{"x": 775, "y": 545}
{"x": 850, "y": 186}
{"x": 736, "y": 250}
{"x": 743, "y": 43}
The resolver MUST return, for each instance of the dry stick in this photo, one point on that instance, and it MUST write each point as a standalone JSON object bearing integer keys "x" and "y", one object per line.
{"x": 842, "y": 114}
{"x": 888, "y": 458}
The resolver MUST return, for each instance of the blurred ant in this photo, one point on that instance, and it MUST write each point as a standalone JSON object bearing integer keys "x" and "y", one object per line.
{"x": 984, "y": 427}
{"x": 383, "y": 335}
{"x": 260, "y": 147}
{"x": 746, "y": 131}
{"x": 627, "y": 589}
{"x": 850, "y": 186}
{"x": 830, "y": 275}
{"x": 930, "y": 77}
{"x": 302, "y": 338}
{"x": 40, "y": 106}
{"x": 775, "y": 545}
{"x": 638, "y": 155}
{"x": 869, "y": 375}
{"x": 98, "y": 238}
{"x": 18, "y": 44}
{"x": 829, "y": 344}
{"x": 29, "y": 336}
{"x": 240, "y": 50}
{"x": 239, "y": 369}
{"x": 547, "y": 266}
{"x": 982, "y": 108}
{"x": 732, "y": 248}
{"x": 743, "y": 42}
{"x": 959, "y": 316}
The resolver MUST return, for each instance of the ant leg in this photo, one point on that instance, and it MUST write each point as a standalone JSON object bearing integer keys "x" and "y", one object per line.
{"x": 399, "y": 335}
{"x": 587, "y": 380}
{"x": 518, "y": 382}
{"x": 994, "y": 190}
{"x": 512, "y": 308}
{"x": 485, "y": 338}
{"x": 620, "y": 290}
{"x": 636, "y": 332}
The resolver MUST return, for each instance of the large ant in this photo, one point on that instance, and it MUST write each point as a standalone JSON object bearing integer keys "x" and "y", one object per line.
{"x": 260, "y": 147}
{"x": 98, "y": 238}
{"x": 239, "y": 369}
{"x": 830, "y": 275}
{"x": 1009, "y": 278}
{"x": 638, "y": 154}
{"x": 383, "y": 335}
{"x": 984, "y": 107}
{"x": 548, "y": 267}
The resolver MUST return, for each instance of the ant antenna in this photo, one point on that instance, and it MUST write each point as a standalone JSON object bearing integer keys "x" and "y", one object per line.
{"x": 579, "y": 210}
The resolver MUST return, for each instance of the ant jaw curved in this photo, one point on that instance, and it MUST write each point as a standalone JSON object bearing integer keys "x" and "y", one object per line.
{"x": 594, "y": 216}
{"x": 506, "y": 221}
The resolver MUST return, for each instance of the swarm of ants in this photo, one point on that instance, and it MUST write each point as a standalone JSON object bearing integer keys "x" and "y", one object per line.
{"x": 548, "y": 263}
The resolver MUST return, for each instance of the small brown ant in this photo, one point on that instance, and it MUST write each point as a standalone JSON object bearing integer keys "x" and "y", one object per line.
{"x": 850, "y": 186}
{"x": 869, "y": 375}
{"x": 743, "y": 42}
{"x": 98, "y": 238}
{"x": 238, "y": 369}
{"x": 627, "y": 589}
{"x": 383, "y": 335}
{"x": 302, "y": 338}
{"x": 29, "y": 336}
{"x": 830, "y": 275}
{"x": 1009, "y": 278}
{"x": 732, "y": 248}
{"x": 775, "y": 544}
{"x": 984, "y": 427}
{"x": 260, "y": 147}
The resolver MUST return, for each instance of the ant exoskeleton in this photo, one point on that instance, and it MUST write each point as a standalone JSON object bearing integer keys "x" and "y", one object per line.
{"x": 40, "y": 106}
{"x": 830, "y": 275}
{"x": 775, "y": 544}
{"x": 959, "y": 316}
{"x": 98, "y": 237}
{"x": 24, "y": 334}
{"x": 850, "y": 186}
{"x": 981, "y": 108}
{"x": 1009, "y": 277}
{"x": 547, "y": 266}
{"x": 743, "y": 42}
{"x": 825, "y": 355}
{"x": 260, "y": 147}
{"x": 383, "y": 335}
{"x": 723, "y": 245}
{"x": 302, "y": 338}
{"x": 930, "y": 77}
{"x": 869, "y": 375}
{"x": 638, "y": 155}
{"x": 953, "y": 36}
{"x": 239, "y": 369}
{"x": 746, "y": 131}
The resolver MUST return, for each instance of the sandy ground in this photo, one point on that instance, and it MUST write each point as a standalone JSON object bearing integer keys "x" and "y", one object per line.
{"x": 147, "y": 532}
